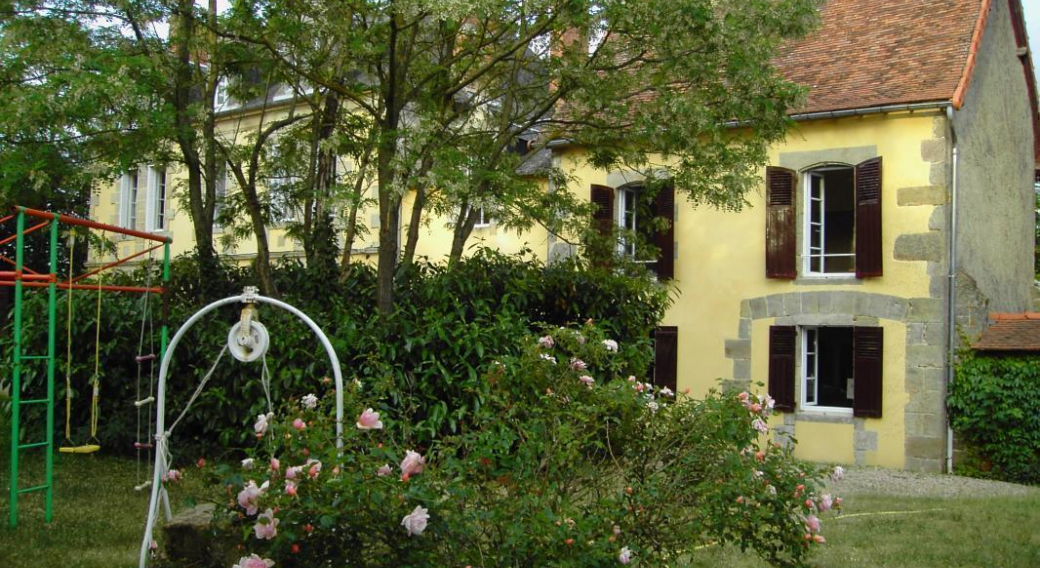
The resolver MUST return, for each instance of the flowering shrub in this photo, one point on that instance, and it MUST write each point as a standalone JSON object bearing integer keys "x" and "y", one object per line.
{"x": 570, "y": 463}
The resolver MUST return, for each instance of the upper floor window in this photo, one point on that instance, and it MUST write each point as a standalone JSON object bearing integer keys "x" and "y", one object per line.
{"x": 129, "y": 188}
{"x": 632, "y": 212}
{"x": 483, "y": 219}
{"x": 155, "y": 207}
{"x": 841, "y": 221}
{"x": 830, "y": 222}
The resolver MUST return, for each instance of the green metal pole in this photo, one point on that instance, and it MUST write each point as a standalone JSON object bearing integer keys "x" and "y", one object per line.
{"x": 52, "y": 336}
{"x": 164, "y": 330}
{"x": 16, "y": 364}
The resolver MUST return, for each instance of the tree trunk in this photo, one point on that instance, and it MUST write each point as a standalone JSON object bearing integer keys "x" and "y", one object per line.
{"x": 351, "y": 230}
{"x": 463, "y": 228}
{"x": 414, "y": 221}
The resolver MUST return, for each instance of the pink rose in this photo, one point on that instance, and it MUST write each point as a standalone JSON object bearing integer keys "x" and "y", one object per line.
{"x": 385, "y": 470}
{"x": 665, "y": 391}
{"x": 310, "y": 401}
{"x": 546, "y": 342}
{"x": 247, "y": 463}
{"x": 314, "y": 470}
{"x": 818, "y": 539}
{"x": 415, "y": 522}
{"x": 275, "y": 464}
{"x": 266, "y": 526}
{"x": 299, "y": 424}
{"x": 293, "y": 472}
{"x": 760, "y": 425}
{"x": 247, "y": 498}
{"x": 826, "y": 502}
{"x": 812, "y": 523}
{"x": 578, "y": 364}
{"x": 756, "y": 408}
{"x": 369, "y": 420}
{"x": 743, "y": 397}
{"x": 412, "y": 464}
{"x": 838, "y": 474}
{"x": 589, "y": 381}
{"x": 625, "y": 556}
{"x": 172, "y": 476}
{"x": 610, "y": 344}
{"x": 640, "y": 387}
{"x": 290, "y": 489}
{"x": 254, "y": 561}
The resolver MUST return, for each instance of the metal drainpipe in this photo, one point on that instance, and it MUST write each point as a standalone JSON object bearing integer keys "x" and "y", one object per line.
{"x": 951, "y": 316}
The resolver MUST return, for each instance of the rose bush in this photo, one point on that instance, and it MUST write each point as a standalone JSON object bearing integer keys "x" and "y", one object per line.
{"x": 566, "y": 464}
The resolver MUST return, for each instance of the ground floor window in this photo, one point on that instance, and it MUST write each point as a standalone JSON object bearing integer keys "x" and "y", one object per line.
{"x": 828, "y": 370}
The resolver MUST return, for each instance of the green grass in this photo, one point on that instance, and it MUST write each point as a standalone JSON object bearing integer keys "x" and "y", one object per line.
{"x": 98, "y": 519}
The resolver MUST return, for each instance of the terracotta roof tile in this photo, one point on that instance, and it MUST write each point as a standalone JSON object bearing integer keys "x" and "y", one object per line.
{"x": 879, "y": 52}
{"x": 1011, "y": 332}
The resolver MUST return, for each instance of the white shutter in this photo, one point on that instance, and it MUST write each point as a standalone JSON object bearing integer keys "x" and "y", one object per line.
{"x": 124, "y": 198}
{"x": 149, "y": 200}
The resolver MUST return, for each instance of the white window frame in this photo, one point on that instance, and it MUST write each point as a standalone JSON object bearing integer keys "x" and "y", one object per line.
{"x": 810, "y": 366}
{"x": 129, "y": 193}
{"x": 809, "y": 252}
{"x": 156, "y": 196}
{"x": 625, "y": 196}
{"x": 483, "y": 219}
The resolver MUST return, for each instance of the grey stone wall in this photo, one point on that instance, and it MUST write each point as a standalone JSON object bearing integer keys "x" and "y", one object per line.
{"x": 995, "y": 173}
{"x": 924, "y": 415}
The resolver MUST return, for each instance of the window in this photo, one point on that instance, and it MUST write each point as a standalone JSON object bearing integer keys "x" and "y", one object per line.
{"x": 627, "y": 209}
{"x": 827, "y": 367}
{"x": 483, "y": 219}
{"x": 830, "y": 222}
{"x": 664, "y": 368}
{"x": 841, "y": 221}
{"x": 155, "y": 207}
{"x": 128, "y": 191}
{"x": 280, "y": 189}
{"x": 841, "y": 368}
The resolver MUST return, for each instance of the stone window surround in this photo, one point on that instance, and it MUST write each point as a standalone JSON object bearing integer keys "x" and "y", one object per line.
{"x": 924, "y": 348}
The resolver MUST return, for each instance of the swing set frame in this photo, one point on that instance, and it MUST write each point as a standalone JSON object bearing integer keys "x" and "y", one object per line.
{"x": 23, "y": 277}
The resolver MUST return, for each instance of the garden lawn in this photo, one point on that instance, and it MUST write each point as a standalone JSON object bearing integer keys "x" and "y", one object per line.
{"x": 98, "y": 519}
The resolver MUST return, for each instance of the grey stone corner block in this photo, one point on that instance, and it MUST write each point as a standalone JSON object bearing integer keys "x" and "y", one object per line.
{"x": 919, "y": 246}
{"x": 921, "y": 195}
{"x": 738, "y": 348}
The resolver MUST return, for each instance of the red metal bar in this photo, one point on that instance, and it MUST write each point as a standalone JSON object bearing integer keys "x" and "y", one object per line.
{"x": 93, "y": 225}
{"x": 105, "y": 287}
{"x": 13, "y": 275}
{"x": 116, "y": 263}
{"x": 25, "y": 232}
{"x": 5, "y": 219}
{"x": 13, "y": 263}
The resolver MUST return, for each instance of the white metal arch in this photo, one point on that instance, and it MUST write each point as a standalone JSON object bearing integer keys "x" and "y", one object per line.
{"x": 160, "y": 421}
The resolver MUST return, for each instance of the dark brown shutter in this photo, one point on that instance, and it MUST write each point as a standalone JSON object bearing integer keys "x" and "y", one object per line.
{"x": 781, "y": 366}
{"x": 868, "y": 343}
{"x": 780, "y": 223}
{"x": 666, "y": 351}
{"x": 868, "y": 218}
{"x": 603, "y": 198}
{"x": 665, "y": 239}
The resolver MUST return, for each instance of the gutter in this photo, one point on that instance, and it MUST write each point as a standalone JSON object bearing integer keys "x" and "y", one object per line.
{"x": 951, "y": 315}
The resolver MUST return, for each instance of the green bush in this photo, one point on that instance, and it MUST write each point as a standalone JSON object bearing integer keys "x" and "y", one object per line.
{"x": 566, "y": 464}
{"x": 428, "y": 356}
{"x": 992, "y": 408}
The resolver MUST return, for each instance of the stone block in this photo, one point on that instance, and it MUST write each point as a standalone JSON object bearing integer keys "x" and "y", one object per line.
{"x": 189, "y": 537}
{"x": 792, "y": 304}
{"x": 925, "y": 355}
{"x": 738, "y": 348}
{"x": 825, "y": 300}
{"x": 744, "y": 328}
{"x": 811, "y": 303}
{"x": 933, "y": 150}
{"x": 919, "y": 246}
{"x": 925, "y": 448}
{"x": 758, "y": 308}
{"x": 926, "y": 401}
{"x": 935, "y": 334}
{"x": 730, "y": 386}
{"x": 742, "y": 369}
{"x": 937, "y": 174}
{"x": 925, "y": 425}
{"x": 921, "y": 195}
{"x": 938, "y": 219}
{"x": 865, "y": 441}
{"x": 924, "y": 378}
{"x": 775, "y": 305}
{"x": 925, "y": 310}
{"x": 745, "y": 309}
{"x": 896, "y": 309}
{"x": 915, "y": 333}
{"x": 843, "y": 302}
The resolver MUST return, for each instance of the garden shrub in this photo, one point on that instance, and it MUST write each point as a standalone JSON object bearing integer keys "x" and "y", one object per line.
{"x": 992, "y": 408}
{"x": 566, "y": 464}
{"x": 428, "y": 357}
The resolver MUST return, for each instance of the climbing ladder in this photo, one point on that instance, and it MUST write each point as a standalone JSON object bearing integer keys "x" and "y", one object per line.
{"x": 23, "y": 277}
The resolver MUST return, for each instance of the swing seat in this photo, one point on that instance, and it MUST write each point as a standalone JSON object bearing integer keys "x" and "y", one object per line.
{"x": 84, "y": 449}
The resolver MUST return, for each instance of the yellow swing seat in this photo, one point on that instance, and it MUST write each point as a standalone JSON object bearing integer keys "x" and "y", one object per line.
{"x": 84, "y": 449}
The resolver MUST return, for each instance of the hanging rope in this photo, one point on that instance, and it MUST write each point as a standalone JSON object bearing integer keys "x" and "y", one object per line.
{"x": 95, "y": 402}
{"x": 93, "y": 444}
{"x": 68, "y": 348}
{"x": 141, "y": 404}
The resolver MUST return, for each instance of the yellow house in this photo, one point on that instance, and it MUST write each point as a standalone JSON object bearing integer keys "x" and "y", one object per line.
{"x": 896, "y": 214}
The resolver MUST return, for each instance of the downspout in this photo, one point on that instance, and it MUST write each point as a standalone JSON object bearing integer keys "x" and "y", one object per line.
{"x": 951, "y": 295}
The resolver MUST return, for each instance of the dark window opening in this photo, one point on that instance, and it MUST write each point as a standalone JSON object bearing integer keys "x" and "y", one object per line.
{"x": 829, "y": 367}
{"x": 831, "y": 221}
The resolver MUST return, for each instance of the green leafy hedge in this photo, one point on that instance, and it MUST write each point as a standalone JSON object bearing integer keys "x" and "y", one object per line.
{"x": 993, "y": 408}
{"x": 428, "y": 356}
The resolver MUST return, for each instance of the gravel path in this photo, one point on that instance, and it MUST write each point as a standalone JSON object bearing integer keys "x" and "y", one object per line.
{"x": 878, "y": 481}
